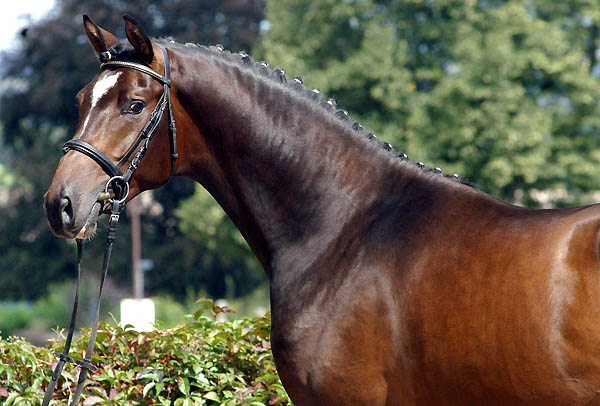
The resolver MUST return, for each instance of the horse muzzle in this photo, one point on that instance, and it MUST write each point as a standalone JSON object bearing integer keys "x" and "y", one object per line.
{"x": 71, "y": 215}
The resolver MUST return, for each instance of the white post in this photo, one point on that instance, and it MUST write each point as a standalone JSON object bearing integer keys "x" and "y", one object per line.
{"x": 139, "y": 313}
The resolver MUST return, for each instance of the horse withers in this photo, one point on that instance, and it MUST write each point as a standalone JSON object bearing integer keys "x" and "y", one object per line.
{"x": 391, "y": 284}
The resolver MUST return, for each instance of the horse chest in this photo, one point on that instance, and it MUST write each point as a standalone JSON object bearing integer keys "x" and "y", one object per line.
{"x": 333, "y": 350}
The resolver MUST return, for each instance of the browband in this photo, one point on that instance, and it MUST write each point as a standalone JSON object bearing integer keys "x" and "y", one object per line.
{"x": 142, "y": 68}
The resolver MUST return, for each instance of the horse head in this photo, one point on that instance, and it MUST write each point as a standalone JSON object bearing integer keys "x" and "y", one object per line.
{"x": 120, "y": 110}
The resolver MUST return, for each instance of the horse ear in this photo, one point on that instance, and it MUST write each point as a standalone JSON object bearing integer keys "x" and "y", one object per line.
{"x": 100, "y": 39}
{"x": 138, "y": 38}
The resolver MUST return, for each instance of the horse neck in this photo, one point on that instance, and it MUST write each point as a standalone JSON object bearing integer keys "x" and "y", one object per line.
{"x": 289, "y": 174}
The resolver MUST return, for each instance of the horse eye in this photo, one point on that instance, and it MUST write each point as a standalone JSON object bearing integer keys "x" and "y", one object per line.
{"x": 135, "y": 107}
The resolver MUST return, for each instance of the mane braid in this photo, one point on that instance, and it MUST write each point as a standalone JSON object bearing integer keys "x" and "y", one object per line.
{"x": 278, "y": 76}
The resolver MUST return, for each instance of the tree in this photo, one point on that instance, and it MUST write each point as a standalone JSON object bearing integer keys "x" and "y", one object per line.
{"x": 203, "y": 220}
{"x": 503, "y": 92}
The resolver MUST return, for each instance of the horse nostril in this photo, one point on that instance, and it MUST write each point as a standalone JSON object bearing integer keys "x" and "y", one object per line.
{"x": 66, "y": 211}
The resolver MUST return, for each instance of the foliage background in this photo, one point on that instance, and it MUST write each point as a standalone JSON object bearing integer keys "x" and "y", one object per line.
{"x": 201, "y": 362}
{"x": 504, "y": 92}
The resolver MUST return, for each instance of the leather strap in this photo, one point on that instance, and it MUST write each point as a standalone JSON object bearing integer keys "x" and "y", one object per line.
{"x": 146, "y": 135}
{"x": 63, "y": 357}
{"x": 142, "y": 68}
{"x": 87, "y": 149}
{"x": 86, "y": 364}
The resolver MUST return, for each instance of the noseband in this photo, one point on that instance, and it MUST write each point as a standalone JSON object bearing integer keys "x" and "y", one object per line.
{"x": 119, "y": 181}
{"x": 119, "y": 185}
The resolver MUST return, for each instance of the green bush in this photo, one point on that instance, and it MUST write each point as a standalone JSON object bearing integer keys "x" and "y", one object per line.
{"x": 14, "y": 316}
{"x": 203, "y": 362}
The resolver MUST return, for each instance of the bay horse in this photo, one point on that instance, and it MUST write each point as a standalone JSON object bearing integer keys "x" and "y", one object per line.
{"x": 390, "y": 284}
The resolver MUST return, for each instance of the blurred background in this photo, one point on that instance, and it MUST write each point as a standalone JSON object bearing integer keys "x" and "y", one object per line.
{"x": 505, "y": 93}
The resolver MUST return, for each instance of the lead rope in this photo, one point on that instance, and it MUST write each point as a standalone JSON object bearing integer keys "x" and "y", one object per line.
{"x": 86, "y": 364}
{"x": 63, "y": 357}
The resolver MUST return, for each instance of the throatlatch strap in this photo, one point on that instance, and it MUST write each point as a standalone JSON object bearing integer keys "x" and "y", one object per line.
{"x": 173, "y": 134}
{"x": 63, "y": 357}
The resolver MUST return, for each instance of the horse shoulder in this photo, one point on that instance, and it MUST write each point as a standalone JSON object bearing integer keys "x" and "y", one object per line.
{"x": 575, "y": 302}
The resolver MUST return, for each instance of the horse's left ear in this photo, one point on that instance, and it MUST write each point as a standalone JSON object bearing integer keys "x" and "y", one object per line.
{"x": 100, "y": 39}
{"x": 138, "y": 38}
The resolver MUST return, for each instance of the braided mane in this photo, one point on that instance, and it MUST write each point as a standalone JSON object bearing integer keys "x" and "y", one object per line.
{"x": 124, "y": 51}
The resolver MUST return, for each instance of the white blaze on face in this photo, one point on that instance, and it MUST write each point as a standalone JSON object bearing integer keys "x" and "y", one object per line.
{"x": 101, "y": 87}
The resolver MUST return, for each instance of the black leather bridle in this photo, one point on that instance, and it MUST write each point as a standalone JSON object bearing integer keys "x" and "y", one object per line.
{"x": 116, "y": 192}
{"x": 114, "y": 170}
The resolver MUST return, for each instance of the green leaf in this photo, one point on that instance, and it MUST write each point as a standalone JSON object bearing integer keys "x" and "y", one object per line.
{"x": 11, "y": 398}
{"x": 212, "y": 396}
{"x": 92, "y": 400}
{"x": 147, "y": 388}
{"x": 184, "y": 386}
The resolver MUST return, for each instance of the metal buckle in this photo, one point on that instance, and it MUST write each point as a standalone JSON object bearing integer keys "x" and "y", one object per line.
{"x": 114, "y": 179}
{"x": 85, "y": 364}
{"x": 105, "y": 56}
{"x": 63, "y": 357}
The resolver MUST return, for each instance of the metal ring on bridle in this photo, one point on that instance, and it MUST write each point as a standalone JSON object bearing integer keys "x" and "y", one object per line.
{"x": 113, "y": 179}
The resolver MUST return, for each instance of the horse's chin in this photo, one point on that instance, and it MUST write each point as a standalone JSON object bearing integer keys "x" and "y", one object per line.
{"x": 88, "y": 231}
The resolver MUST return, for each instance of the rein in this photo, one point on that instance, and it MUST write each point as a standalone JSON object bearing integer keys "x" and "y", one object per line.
{"x": 118, "y": 184}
